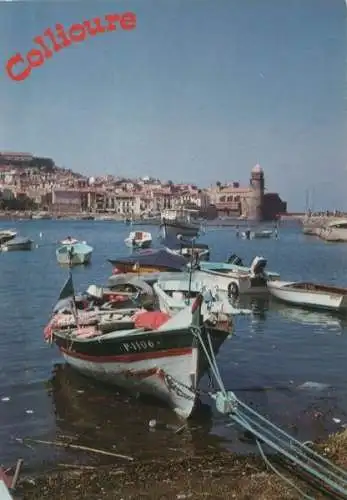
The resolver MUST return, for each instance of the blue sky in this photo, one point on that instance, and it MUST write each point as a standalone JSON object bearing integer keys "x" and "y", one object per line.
{"x": 200, "y": 91}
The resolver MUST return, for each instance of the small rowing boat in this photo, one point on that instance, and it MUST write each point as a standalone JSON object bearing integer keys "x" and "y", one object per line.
{"x": 308, "y": 294}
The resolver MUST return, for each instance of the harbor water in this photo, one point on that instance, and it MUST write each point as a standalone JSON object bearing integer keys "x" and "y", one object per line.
{"x": 287, "y": 363}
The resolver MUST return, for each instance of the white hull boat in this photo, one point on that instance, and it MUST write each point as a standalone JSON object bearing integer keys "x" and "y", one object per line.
{"x": 138, "y": 239}
{"x": 311, "y": 295}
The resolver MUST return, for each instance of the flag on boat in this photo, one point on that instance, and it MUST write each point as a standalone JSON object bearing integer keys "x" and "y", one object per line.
{"x": 67, "y": 292}
{"x": 66, "y": 300}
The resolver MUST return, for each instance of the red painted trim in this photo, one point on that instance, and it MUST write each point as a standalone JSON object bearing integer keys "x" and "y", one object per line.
{"x": 130, "y": 358}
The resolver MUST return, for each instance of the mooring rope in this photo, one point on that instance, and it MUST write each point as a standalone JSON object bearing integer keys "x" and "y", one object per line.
{"x": 331, "y": 477}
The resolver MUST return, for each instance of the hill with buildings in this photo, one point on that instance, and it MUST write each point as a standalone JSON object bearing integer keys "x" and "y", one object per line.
{"x": 37, "y": 182}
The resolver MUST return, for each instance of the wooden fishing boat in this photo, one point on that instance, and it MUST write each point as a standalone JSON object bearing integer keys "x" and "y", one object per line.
{"x": 8, "y": 481}
{"x": 17, "y": 243}
{"x": 149, "y": 261}
{"x": 139, "y": 239}
{"x": 74, "y": 254}
{"x": 157, "y": 354}
{"x": 311, "y": 295}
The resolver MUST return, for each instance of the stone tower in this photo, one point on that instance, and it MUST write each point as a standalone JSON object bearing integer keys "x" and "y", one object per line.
{"x": 258, "y": 184}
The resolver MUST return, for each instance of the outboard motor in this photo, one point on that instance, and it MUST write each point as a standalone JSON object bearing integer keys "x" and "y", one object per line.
{"x": 258, "y": 266}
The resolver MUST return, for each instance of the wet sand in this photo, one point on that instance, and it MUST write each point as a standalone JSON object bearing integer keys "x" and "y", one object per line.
{"x": 209, "y": 475}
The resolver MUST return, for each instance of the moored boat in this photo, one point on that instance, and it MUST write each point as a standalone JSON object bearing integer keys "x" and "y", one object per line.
{"x": 158, "y": 355}
{"x": 149, "y": 261}
{"x": 175, "y": 223}
{"x": 18, "y": 243}
{"x": 139, "y": 239}
{"x": 74, "y": 254}
{"x": 261, "y": 234}
{"x": 311, "y": 295}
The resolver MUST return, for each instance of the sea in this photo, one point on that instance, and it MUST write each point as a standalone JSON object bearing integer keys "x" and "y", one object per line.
{"x": 286, "y": 363}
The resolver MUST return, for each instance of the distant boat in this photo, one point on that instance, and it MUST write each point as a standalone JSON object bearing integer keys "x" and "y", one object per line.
{"x": 70, "y": 241}
{"x": 200, "y": 250}
{"x": 251, "y": 235}
{"x": 139, "y": 239}
{"x": 311, "y": 295}
{"x": 178, "y": 222}
{"x": 18, "y": 243}
{"x": 74, "y": 254}
{"x": 7, "y": 235}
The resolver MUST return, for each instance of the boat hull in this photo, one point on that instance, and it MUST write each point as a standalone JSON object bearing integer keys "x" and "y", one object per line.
{"x": 171, "y": 229}
{"x": 167, "y": 364}
{"x": 121, "y": 267}
{"x": 75, "y": 260}
{"x": 316, "y": 300}
{"x": 20, "y": 246}
{"x": 225, "y": 281}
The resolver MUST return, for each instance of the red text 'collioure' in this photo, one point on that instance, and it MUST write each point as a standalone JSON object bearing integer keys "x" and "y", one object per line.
{"x": 18, "y": 68}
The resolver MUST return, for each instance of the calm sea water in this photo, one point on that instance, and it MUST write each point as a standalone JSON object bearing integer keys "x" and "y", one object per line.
{"x": 288, "y": 363}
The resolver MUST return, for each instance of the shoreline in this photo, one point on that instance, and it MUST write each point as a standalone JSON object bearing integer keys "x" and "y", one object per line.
{"x": 206, "y": 475}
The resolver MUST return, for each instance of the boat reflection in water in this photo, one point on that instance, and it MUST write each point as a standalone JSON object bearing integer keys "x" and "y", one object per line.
{"x": 92, "y": 414}
{"x": 328, "y": 321}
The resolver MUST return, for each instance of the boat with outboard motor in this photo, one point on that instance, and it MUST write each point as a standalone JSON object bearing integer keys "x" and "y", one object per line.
{"x": 155, "y": 353}
{"x": 236, "y": 280}
{"x": 308, "y": 294}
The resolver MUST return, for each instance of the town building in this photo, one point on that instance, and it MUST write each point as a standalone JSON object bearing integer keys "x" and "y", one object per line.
{"x": 250, "y": 201}
{"x": 61, "y": 191}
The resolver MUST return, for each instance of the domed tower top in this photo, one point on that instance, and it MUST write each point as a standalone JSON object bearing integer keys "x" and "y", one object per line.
{"x": 257, "y": 169}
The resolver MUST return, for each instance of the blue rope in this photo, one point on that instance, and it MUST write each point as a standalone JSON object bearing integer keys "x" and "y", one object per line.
{"x": 265, "y": 431}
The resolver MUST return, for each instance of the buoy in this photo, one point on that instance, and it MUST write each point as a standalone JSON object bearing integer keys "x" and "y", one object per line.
{"x": 41, "y": 235}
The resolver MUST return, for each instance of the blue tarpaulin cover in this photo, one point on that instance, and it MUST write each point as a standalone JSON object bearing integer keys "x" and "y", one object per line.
{"x": 153, "y": 257}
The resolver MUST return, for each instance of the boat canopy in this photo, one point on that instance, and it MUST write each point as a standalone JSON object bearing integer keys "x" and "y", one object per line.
{"x": 18, "y": 240}
{"x": 156, "y": 258}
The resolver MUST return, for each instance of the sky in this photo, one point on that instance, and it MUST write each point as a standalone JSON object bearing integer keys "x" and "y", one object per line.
{"x": 200, "y": 92}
